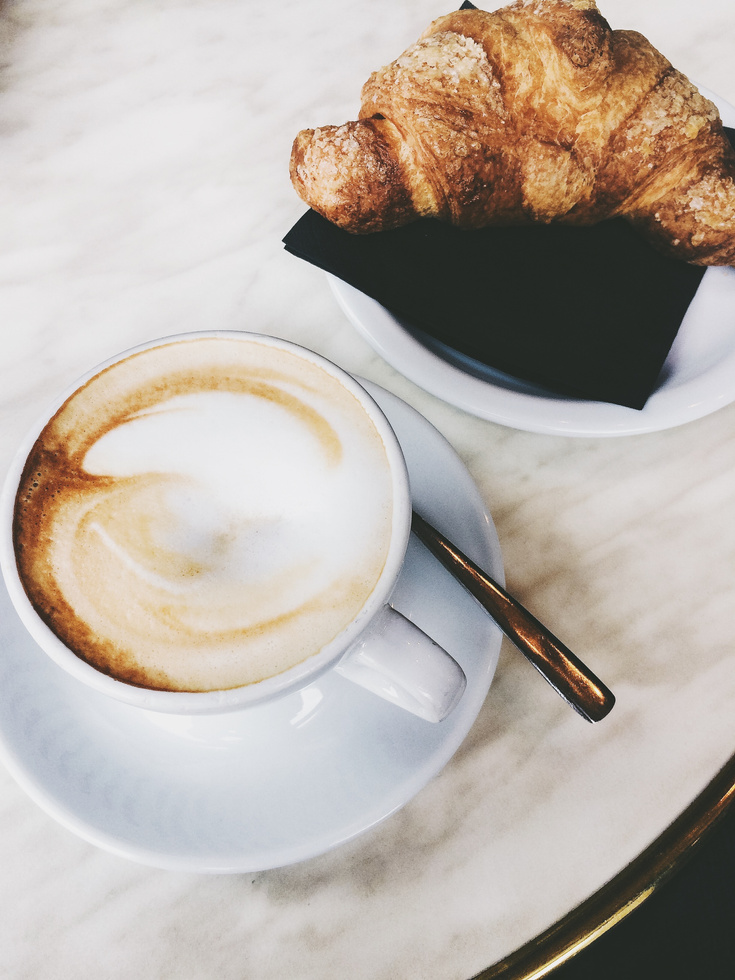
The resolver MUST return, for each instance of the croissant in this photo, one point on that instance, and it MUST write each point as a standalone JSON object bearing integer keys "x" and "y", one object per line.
{"x": 537, "y": 112}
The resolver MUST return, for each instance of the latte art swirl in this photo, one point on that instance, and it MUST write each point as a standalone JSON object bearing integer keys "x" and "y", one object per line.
{"x": 204, "y": 515}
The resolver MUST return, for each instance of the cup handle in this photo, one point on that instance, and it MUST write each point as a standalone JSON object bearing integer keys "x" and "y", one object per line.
{"x": 400, "y": 663}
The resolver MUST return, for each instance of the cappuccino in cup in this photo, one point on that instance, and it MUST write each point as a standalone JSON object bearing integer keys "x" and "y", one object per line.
{"x": 205, "y": 514}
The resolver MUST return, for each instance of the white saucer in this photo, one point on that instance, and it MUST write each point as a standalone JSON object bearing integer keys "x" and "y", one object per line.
{"x": 271, "y": 785}
{"x": 698, "y": 377}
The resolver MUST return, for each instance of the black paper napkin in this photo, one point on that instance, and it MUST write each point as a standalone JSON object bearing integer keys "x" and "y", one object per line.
{"x": 585, "y": 312}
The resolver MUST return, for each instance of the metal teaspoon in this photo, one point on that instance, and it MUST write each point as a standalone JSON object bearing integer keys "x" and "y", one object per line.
{"x": 561, "y": 668}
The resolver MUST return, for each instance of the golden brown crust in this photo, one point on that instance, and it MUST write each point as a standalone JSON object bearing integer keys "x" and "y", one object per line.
{"x": 535, "y": 112}
{"x": 325, "y": 157}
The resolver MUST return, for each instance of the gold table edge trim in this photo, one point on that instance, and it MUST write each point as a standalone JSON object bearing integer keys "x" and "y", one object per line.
{"x": 623, "y": 893}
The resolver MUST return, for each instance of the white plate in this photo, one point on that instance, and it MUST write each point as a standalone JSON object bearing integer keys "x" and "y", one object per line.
{"x": 698, "y": 376}
{"x": 271, "y": 785}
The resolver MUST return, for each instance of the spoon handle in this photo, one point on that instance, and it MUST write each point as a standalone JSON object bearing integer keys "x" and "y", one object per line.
{"x": 561, "y": 668}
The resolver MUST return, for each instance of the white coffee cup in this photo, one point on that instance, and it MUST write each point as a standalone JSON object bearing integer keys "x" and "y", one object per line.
{"x": 287, "y": 397}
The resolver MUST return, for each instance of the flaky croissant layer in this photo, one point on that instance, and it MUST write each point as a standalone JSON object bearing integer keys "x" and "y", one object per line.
{"x": 537, "y": 112}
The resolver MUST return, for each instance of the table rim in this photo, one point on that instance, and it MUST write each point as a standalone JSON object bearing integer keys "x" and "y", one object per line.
{"x": 625, "y": 891}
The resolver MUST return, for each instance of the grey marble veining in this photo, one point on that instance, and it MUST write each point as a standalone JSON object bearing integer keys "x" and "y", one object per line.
{"x": 144, "y": 190}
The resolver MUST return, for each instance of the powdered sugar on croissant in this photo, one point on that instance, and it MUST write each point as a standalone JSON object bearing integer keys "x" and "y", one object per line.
{"x": 535, "y": 112}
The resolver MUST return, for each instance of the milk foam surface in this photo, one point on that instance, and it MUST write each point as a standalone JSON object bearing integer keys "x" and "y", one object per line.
{"x": 204, "y": 515}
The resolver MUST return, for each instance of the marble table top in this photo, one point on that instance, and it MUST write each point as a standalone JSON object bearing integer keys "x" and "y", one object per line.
{"x": 145, "y": 191}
